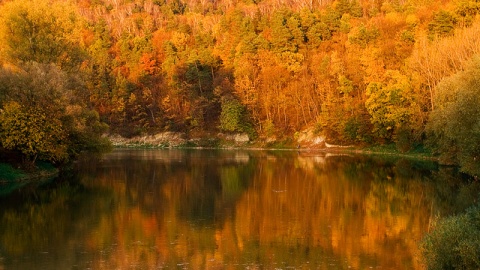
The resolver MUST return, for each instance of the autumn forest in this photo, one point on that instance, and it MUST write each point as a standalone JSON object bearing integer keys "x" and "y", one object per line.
{"x": 362, "y": 72}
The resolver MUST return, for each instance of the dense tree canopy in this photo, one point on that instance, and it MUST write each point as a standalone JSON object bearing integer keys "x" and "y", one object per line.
{"x": 42, "y": 93}
{"x": 40, "y": 31}
{"x": 358, "y": 71}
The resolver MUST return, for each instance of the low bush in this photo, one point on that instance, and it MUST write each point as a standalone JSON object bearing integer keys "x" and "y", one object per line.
{"x": 454, "y": 242}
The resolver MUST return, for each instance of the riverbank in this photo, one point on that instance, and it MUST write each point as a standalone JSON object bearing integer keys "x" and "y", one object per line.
{"x": 9, "y": 174}
{"x": 12, "y": 178}
{"x": 305, "y": 141}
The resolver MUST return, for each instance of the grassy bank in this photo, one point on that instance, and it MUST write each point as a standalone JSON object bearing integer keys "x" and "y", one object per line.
{"x": 419, "y": 152}
{"x": 12, "y": 178}
{"x": 9, "y": 174}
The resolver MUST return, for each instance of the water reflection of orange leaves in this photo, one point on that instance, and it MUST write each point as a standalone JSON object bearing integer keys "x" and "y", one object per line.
{"x": 394, "y": 215}
{"x": 330, "y": 211}
{"x": 150, "y": 225}
{"x": 285, "y": 206}
{"x": 101, "y": 236}
{"x": 131, "y": 243}
{"x": 227, "y": 241}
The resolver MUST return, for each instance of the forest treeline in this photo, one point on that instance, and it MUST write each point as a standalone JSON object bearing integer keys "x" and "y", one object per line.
{"x": 356, "y": 71}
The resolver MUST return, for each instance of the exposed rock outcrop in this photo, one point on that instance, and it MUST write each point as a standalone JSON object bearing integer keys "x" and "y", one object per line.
{"x": 164, "y": 139}
{"x": 178, "y": 139}
{"x": 309, "y": 139}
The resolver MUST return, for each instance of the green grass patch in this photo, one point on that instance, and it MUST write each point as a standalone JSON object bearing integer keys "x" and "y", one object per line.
{"x": 287, "y": 143}
{"x": 8, "y": 173}
{"x": 45, "y": 166}
{"x": 202, "y": 143}
{"x": 12, "y": 179}
{"x": 383, "y": 149}
{"x": 418, "y": 152}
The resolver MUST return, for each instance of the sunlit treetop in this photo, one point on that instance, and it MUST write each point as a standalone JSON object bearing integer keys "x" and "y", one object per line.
{"x": 40, "y": 30}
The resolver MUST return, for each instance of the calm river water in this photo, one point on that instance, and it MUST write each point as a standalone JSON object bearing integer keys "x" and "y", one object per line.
{"x": 230, "y": 209}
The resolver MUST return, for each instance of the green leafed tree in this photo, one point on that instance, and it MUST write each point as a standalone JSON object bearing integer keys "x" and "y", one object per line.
{"x": 352, "y": 7}
{"x": 363, "y": 36}
{"x": 443, "y": 24}
{"x": 286, "y": 32}
{"x": 233, "y": 116}
{"x": 454, "y": 124}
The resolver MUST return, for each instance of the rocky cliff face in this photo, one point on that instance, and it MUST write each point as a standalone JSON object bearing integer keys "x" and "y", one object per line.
{"x": 179, "y": 139}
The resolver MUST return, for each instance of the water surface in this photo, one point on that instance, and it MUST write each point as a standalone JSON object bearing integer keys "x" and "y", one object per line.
{"x": 230, "y": 209}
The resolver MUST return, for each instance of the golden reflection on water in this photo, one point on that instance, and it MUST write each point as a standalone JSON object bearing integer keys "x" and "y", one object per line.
{"x": 234, "y": 210}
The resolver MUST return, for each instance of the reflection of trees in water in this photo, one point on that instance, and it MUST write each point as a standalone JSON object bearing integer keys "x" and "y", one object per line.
{"x": 148, "y": 209}
{"x": 453, "y": 191}
{"x": 365, "y": 207}
{"x": 450, "y": 190}
{"x": 201, "y": 183}
{"x": 39, "y": 221}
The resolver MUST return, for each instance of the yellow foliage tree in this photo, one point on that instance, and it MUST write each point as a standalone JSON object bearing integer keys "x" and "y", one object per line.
{"x": 32, "y": 133}
{"x": 390, "y": 103}
{"x": 41, "y": 31}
